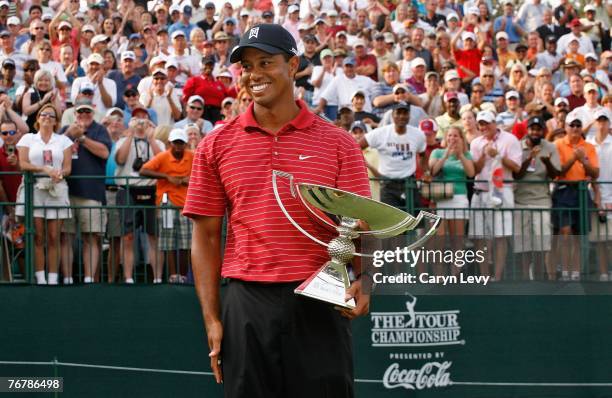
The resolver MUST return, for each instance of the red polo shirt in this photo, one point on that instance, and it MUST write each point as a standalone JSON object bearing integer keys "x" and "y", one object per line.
{"x": 232, "y": 171}
{"x": 469, "y": 59}
{"x": 10, "y": 182}
{"x": 207, "y": 87}
{"x": 368, "y": 59}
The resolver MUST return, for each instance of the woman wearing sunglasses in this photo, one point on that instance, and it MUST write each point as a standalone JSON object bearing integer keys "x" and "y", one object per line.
{"x": 48, "y": 155}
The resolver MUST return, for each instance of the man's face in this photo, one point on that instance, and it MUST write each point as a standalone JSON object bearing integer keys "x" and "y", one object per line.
{"x": 431, "y": 5}
{"x": 310, "y": 46}
{"x": 84, "y": 117}
{"x": 591, "y": 64}
{"x": 94, "y": 67}
{"x": 502, "y": 43}
{"x": 574, "y": 129}
{"x": 603, "y": 124}
{"x": 358, "y": 103}
{"x": 400, "y": 95}
{"x": 349, "y": 71}
{"x": 487, "y": 78}
{"x": 178, "y": 147}
{"x": 127, "y": 66}
{"x": 207, "y": 68}
{"x": 535, "y": 132}
{"x": 391, "y": 76}
{"x": 37, "y": 29}
{"x": 547, "y": 17}
{"x": 576, "y": 85}
{"x": 221, "y": 46}
{"x": 8, "y": 72}
{"x": 419, "y": 72}
{"x": 487, "y": 129}
{"x": 35, "y": 14}
{"x": 591, "y": 96}
{"x": 417, "y": 37}
{"x": 357, "y": 133}
{"x": 131, "y": 100}
{"x": 360, "y": 51}
{"x": 267, "y": 78}
{"x": 400, "y": 117}
{"x": 590, "y": 15}
{"x": 210, "y": 12}
{"x": 551, "y": 46}
{"x": 10, "y": 134}
{"x": 576, "y": 30}
{"x": 195, "y": 110}
{"x": 512, "y": 103}
{"x": 453, "y": 106}
{"x": 346, "y": 117}
{"x": 508, "y": 10}
{"x": 179, "y": 43}
{"x": 477, "y": 94}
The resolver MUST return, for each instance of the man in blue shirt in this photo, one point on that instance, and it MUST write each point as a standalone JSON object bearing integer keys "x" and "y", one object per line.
{"x": 509, "y": 23}
{"x": 183, "y": 23}
{"x": 92, "y": 146}
{"x": 125, "y": 77}
{"x": 131, "y": 98}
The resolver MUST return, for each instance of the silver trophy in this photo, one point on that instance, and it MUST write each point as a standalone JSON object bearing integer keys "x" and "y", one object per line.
{"x": 330, "y": 282}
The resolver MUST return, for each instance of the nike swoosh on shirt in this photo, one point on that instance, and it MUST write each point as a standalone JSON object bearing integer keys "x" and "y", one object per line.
{"x": 304, "y": 157}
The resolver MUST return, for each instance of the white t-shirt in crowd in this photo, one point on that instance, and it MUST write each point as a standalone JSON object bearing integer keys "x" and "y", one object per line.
{"x": 109, "y": 85}
{"x": 45, "y": 154}
{"x": 327, "y": 79}
{"x": 56, "y": 70}
{"x": 341, "y": 89}
{"x": 397, "y": 153}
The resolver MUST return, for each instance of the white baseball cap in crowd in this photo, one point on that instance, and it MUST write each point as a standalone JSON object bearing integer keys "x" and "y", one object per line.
{"x": 501, "y": 35}
{"x": 589, "y": 7}
{"x": 88, "y": 28}
{"x": 512, "y": 94}
{"x": 468, "y": 36}
{"x": 195, "y": 98}
{"x": 13, "y": 21}
{"x": 95, "y": 58}
{"x": 602, "y": 112}
{"x": 591, "y": 56}
{"x": 359, "y": 43}
{"x": 227, "y": 100}
{"x": 400, "y": 86}
{"x": 450, "y": 75}
{"x": 473, "y": 11}
{"x": 45, "y": 16}
{"x": 64, "y": 24}
{"x": 171, "y": 63}
{"x": 128, "y": 55}
{"x": 98, "y": 39}
{"x": 418, "y": 61}
{"x": 178, "y": 135}
{"x": 114, "y": 110}
{"x": 177, "y": 33}
{"x": 158, "y": 59}
{"x": 590, "y": 87}
{"x": 293, "y": 8}
{"x": 175, "y": 8}
{"x": 452, "y": 15}
{"x": 561, "y": 100}
{"x": 485, "y": 116}
{"x": 571, "y": 117}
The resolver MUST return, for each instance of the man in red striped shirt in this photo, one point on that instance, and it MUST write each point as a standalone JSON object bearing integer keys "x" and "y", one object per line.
{"x": 272, "y": 343}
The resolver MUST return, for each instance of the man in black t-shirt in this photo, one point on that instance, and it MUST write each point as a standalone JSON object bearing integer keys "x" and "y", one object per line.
{"x": 309, "y": 59}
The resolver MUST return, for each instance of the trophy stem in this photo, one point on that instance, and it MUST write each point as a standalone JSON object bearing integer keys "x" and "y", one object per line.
{"x": 331, "y": 281}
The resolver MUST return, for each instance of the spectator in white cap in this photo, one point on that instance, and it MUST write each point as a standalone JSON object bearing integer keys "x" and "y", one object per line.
{"x": 416, "y": 83}
{"x": 7, "y": 50}
{"x": 162, "y": 98}
{"x": 557, "y": 123}
{"x": 452, "y": 82}
{"x": 593, "y": 28}
{"x": 13, "y": 24}
{"x": 587, "y": 112}
{"x": 504, "y": 54}
{"x": 125, "y": 77}
{"x": 585, "y": 44}
{"x": 43, "y": 55}
{"x": 194, "y": 112}
{"x": 171, "y": 169}
{"x": 600, "y": 76}
{"x": 64, "y": 29}
{"x": 292, "y": 21}
{"x": 468, "y": 58}
{"x": 86, "y": 92}
{"x": 38, "y": 30}
{"x": 87, "y": 33}
{"x": 105, "y": 94}
{"x": 513, "y": 113}
{"x": 188, "y": 65}
{"x": 601, "y": 232}
{"x": 496, "y": 155}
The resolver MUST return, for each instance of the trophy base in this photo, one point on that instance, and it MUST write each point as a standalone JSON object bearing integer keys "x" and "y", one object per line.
{"x": 328, "y": 284}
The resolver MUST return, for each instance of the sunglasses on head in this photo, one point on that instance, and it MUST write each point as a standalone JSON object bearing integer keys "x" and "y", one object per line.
{"x": 9, "y": 132}
{"x": 197, "y": 108}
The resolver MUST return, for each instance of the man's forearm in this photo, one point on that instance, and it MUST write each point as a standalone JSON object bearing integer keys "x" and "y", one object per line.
{"x": 206, "y": 263}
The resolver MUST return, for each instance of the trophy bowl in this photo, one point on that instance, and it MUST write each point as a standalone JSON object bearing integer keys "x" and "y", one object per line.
{"x": 340, "y": 211}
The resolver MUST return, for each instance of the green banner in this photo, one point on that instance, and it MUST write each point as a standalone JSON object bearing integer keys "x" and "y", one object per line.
{"x": 148, "y": 341}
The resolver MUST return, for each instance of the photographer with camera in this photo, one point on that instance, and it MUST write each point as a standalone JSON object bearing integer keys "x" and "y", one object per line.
{"x": 91, "y": 148}
{"x": 133, "y": 150}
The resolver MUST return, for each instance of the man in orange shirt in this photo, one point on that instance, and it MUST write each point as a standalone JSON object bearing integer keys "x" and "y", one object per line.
{"x": 172, "y": 169}
{"x": 579, "y": 162}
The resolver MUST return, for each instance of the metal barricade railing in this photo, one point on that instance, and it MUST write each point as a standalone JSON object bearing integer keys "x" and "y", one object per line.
{"x": 171, "y": 242}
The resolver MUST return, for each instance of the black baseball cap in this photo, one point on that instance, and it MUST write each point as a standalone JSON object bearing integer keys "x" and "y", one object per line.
{"x": 267, "y": 37}
{"x": 535, "y": 120}
{"x": 402, "y": 105}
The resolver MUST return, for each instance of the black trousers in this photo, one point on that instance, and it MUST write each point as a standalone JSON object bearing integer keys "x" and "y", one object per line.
{"x": 280, "y": 345}
{"x": 393, "y": 192}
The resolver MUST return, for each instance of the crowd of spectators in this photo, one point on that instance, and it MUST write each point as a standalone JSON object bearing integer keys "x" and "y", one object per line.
{"x": 117, "y": 94}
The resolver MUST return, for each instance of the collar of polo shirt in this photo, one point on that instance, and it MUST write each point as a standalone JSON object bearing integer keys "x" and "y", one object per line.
{"x": 301, "y": 121}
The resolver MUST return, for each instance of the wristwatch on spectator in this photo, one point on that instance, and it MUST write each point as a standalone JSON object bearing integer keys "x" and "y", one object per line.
{"x": 81, "y": 139}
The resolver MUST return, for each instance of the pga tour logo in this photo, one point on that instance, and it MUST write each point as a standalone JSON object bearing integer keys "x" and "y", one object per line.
{"x": 431, "y": 374}
{"x": 415, "y": 328}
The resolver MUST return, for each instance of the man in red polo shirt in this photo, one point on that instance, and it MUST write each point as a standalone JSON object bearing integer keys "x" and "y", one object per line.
{"x": 268, "y": 342}
{"x": 209, "y": 88}
{"x": 468, "y": 58}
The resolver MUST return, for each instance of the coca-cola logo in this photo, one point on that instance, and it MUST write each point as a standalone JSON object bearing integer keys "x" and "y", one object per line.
{"x": 431, "y": 374}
